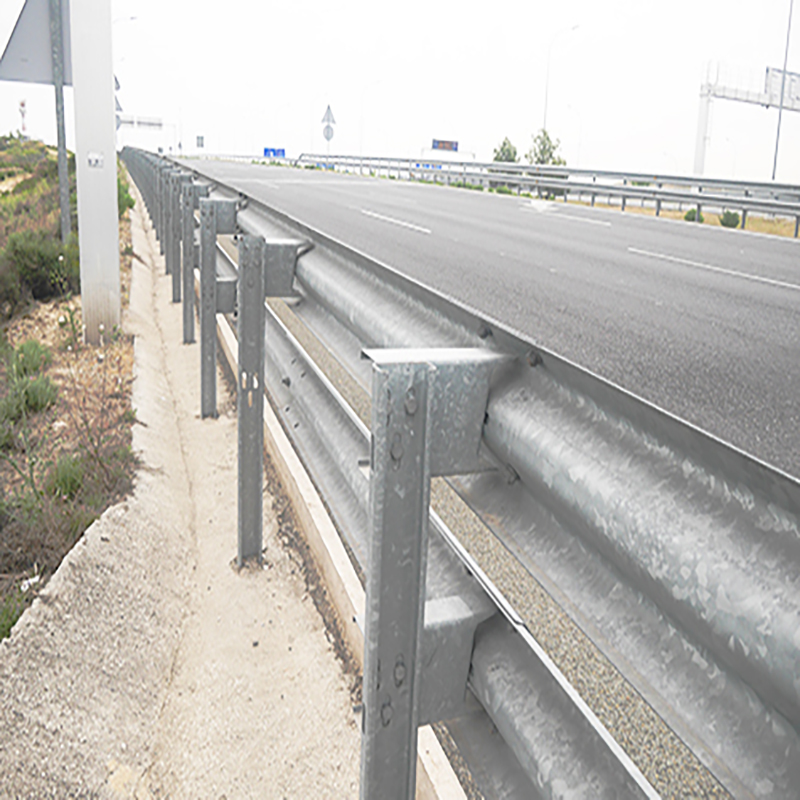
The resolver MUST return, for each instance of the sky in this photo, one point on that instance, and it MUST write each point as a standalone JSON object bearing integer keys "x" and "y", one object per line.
{"x": 622, "y": 78}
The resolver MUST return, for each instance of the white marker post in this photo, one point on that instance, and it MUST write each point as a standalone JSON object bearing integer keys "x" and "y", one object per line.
{"x": 96, "y": 164}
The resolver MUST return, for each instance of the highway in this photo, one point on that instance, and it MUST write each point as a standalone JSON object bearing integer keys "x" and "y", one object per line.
{"x": 699, "y": 320}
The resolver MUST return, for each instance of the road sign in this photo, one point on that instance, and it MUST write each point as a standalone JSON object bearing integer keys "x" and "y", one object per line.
{"x": 28, "y": 55}
{"x": 328, "y": 118}
{"x": 439, "y": 144}
{"x": 327, "y": 132}
{"x": 274, "y": 152}
{"x": 201, "y": 142}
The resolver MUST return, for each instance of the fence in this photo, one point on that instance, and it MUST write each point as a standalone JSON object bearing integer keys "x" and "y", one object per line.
{"x": 562, "y": 181}
{"x": 676, "y": 554}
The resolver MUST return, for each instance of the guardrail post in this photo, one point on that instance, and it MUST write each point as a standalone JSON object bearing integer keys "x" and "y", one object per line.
{"x": 216, "y": 216}
{"x": 624, "y": 183}
{"x": 658, "y": 203}
{"x": 699, "y": 207}
{"x": 179, "y": 177}
{"x": 190, "y": 195}
{"x": 166, "y": 217}
{"x": 416, "y": 397}
{"x": 266, "y": 269}
{"x": 399, "y": 498}
{"x": 250, "y": 396}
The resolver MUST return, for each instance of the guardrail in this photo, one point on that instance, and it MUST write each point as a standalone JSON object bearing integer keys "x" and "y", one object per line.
{"x": 717, "y": 193}
{"x": 678, "y": 555}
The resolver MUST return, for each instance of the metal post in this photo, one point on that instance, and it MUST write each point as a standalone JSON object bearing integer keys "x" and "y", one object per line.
{"x": 658, "y": 202}
{"x": 162, "y": 204}
{"x": 624, "y": 183}
{"x": 166, "y": 215}
{"x": 783, "y": 88}
{"x": 399, "y": 498}
{"x": 250, "y": 396}
{"x": 216, "y": 216}
{"x": 190, "y": 195}
{"x": 208, "y": 309}
{"x": 178, "y": 179}
{"x": 57, "y": 51}
{"x": 796, "y": 226}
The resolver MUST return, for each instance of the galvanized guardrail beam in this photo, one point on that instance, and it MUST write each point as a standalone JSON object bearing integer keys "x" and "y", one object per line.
{"x": 663, "y": 539}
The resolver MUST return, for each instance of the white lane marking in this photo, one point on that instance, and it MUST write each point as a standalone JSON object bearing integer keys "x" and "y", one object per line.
{"x": 711, "y": 268}
{"x": 559, "y": 215}
{"x": 584, "y": 219}
{"x": 394, "y": 221}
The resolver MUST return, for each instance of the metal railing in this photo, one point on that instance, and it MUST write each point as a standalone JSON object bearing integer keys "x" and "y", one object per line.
{"x": 561, "y": 181}
{"x": 677, "y": 554}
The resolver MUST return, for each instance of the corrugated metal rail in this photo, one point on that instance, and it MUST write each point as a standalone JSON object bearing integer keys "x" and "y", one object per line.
{"x": 562, "y": 181}
{"x": 677, "y": 555}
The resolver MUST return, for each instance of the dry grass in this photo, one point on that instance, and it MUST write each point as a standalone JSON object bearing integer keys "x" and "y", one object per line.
{"x": 773, "y": 226}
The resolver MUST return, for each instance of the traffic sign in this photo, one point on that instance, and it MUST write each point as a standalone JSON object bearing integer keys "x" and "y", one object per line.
{"x": 327, "y": 132}
{"x": 274, "y": 152}
{"x": 328, "y": 118}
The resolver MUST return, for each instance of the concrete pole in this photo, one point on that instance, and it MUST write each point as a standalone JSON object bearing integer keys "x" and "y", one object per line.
{"x": 96, "y": 164}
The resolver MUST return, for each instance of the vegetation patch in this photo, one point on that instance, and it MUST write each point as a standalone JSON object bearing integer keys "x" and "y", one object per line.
{"x": 65, "y": 413}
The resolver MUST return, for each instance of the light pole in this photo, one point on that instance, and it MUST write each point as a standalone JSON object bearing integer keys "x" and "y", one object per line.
{"x": 547, "y": 79}
{"x": 783, "y": 88}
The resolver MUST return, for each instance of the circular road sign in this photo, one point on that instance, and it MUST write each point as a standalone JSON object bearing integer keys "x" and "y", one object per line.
{"x": 327, "y": 132}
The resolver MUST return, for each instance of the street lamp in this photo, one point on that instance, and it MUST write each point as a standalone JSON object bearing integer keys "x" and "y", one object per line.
{"x": 547, "y": 80}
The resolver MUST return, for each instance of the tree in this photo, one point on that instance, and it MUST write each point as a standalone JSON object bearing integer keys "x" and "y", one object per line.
{"x": 506, "y": 151}
{"x": 543, "y": 150}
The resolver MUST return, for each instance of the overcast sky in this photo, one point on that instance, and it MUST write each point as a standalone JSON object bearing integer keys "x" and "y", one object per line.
{"x": 623, "y": 89}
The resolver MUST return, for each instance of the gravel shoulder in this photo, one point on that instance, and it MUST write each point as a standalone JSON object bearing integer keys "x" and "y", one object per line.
{"x": 149, "y": 667}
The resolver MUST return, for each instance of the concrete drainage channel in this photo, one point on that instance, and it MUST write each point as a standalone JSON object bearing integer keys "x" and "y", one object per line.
{"x": 673, "y": 558}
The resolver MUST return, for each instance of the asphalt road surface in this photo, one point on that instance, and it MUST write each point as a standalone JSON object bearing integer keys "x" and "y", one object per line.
{"x": 701, "y": 321}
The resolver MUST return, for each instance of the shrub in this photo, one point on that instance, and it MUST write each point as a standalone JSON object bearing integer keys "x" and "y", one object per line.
{"x": 503, "y": 190}
{"x": 689, "y": 216}
{"x": 729, "y": 219}
{"x": 124, "y": 199}
{"x": 31, "y": 357}
{"x": 38, "y": 263}
{"x": 10, "y": 611}
{"x": 40, "y": 393}
{"x": 65, "y": 477}
{"x": 6, "y": 438}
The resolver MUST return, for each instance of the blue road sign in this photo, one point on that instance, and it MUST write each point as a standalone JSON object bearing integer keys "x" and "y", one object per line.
{"x": 274, "y": 152}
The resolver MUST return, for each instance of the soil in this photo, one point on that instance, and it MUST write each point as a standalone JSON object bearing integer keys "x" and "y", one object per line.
{"x": 91, "y": 418}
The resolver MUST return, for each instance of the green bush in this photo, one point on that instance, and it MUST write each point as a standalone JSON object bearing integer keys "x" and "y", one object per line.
{"x": 124, "y": 199}
{"x": 10, "y": 611}
{"x": 503, "y": 190}
{"x": 31, "y": 357}
{"x": 729, "y": 219}
{"x": 6, "y": 436}
{"x": 65, "y": 477}
{"x": 40, "y": 264}
{"x": 40, "y": 393}
{"x": 689, "y": 216}
{"x": 12, "y": 406}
